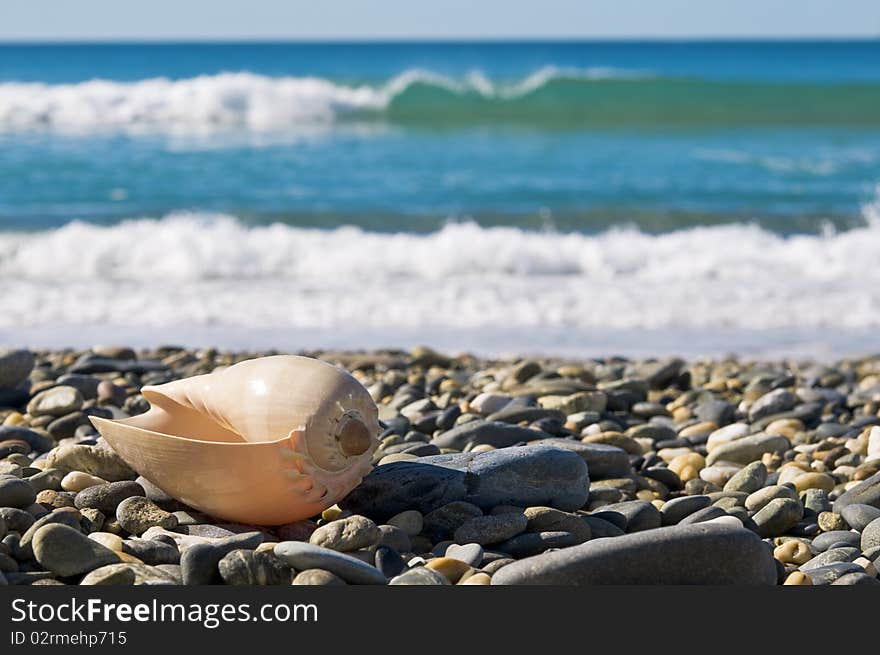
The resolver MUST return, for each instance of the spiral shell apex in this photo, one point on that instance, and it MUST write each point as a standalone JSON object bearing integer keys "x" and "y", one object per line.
{"x": 266, "y": 441}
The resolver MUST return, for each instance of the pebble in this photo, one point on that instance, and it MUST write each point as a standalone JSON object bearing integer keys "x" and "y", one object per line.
{"x": 443, "y": 521}
{"x": 871, "y": 535}
{"x": 130, "y": 574}
{"x": 603, "y": 461}
{"x": 152, "y": 551}
{"x": 524, "y": 476}
{"x": 748, "y": 449}
{"x": 67, "y": 552}
{"x": 419, "y": 575}
{"x": 17, "y": 493}
{"x": 759, "y": 499}
{"x": 246, "y": 567}
{"x": 676, "y": 509}
{"x": 778, "y": 516}
{"x": 198, "y": 562}
{"x": 15, "y": 367}
{"x": 749, "y": 479}
{"x": 94, "y": 460}
{"x": 318, "y": 577}
{"x": 866, "y": 492}
{"x": 827, "y": 540}
{"x": 56, "y": 401}
{"x": 695, "y": 554}
{"x": 549, "y": 519}
{"x": 492, "y": 433}
{"x": 490, "y": 529}
{"x": 477, "y": 579}
{"x": 410, "y": 521}
{"x": 638, "y": 515}
{"x": 858, "y": 516}
{"x": 136, "y": 514}
{"x": 347, "y": 534}
{"x": 469, "y": 553}
{"x": 774, "y": 402}
{"x": 532, "y": 543}
{"x": 76, "y": 481}
{"x": 388, "y": 561}
{"x": 308, "y": 556}
{"x": 107, "y": 496}
{"x": 450, "y": 568}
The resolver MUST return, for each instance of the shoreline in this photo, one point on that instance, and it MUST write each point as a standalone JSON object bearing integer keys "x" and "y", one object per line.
{"x": 824, "y": 345}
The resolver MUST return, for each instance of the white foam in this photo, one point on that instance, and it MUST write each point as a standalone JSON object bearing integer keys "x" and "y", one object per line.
{"x": 235, "y": 100}
{"x": 211, "y": 270}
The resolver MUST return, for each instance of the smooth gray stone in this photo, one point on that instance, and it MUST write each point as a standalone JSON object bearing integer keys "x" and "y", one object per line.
{"x": 524, "y": 476}
{"x": 832, "y": 556}
{"x": 825, "y": 575}
{"x": 493, "y": 433}
{"x": 748, "y": 479}
{"x": 15, "y": 492}
{"x": 693, "y": 554}
{"x": 106, "y": 497}
{"x": 469, "y": 553}
{"x": 151, "y": 552}
{"x": 774, "y": 402}
{"x": 673, "y": 511}
{"x": 702, "y": 515}
{"x": 389, "y": 561}
{"x": 599, "y": 527}
{"x": 300, "y": 555}
{"x": 66, "y": 551}
{"x": 639, "y": 514}
{"x": 858, "y": 516}
{"x": 865, "y": 493}
{"x": 856, "y": 578}
{"x": 827, "y": 539}
{"x": 871, "y": 535}
{"x": 419, "y": 576}
{"x": 778, "y": 516}
{"x": 603, "y": 461}
{"x": 748, "y": 449}
{"x": 38, "y": 441}
{"x": 198, "y": 563}
{"x": 532, "y": 543}
{"x": 515, "y": 414}
{"x": 15, "y": 367}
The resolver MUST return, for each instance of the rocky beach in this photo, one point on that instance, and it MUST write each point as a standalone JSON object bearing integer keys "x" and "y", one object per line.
{"x": 505, "y": 472}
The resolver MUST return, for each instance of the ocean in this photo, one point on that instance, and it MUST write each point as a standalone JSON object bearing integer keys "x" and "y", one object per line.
{"x": 571, "y": 198}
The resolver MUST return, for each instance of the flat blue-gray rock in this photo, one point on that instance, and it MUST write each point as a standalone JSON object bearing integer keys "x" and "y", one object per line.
{"x": 603, "y": 461}
{"x": 866, "y": 492}
{"x": 493, "y": 433}
{"x": 300, "y": 556}
{"x": 694, "y": 554}
{"x": 523, "y": 476}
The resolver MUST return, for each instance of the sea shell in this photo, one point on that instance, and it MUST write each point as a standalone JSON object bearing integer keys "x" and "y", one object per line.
{"x": 266, "y": 441}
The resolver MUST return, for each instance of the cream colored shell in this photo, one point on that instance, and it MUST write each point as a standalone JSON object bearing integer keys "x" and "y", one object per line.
{"x": 266, "y": 441}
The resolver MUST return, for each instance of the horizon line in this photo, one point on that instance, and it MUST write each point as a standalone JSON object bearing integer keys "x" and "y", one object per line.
{"x": 380, "y": 40}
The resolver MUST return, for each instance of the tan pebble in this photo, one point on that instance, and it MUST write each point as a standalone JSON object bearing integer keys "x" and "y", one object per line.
{"x": 646, "y": 494}
{"x": 793, "y": 552}
{"x": 797, "y": 578}
{"x": 691, "y": 459}
{"x": 813, "y": 481}
{"x": 14, "y": 418}
{"x": 697, "y": 429}
{"x": 396, "y": 457}
{"x": 266, "y": 547}
{"x": 451, "y": 569}
{"x": 127, "y": 559}
{"x": 482, "y": 448}
{"x": 477, "y": 579}
{"x": 76, "y": 481}
{"x": 107, "y": 539}
{"x": 785, "y": 427}
{"x": 681, "y": 414}
{"x": 788, "y": 472}
{"x": 867, "y": 565}
{"x": 612, "y": 438}
{"x": 331, "y": 513}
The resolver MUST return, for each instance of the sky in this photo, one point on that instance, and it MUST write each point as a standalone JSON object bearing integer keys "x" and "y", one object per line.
{"x": 449, "y": 19}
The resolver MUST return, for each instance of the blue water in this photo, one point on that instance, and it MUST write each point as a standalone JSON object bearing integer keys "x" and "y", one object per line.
{"x": 657, "y": 135}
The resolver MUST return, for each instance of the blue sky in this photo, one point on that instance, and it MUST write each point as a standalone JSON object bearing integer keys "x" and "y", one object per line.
{"x": 376, "y": 19}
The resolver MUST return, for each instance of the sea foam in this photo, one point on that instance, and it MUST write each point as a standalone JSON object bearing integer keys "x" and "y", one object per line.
{"x": 213, "y": 270}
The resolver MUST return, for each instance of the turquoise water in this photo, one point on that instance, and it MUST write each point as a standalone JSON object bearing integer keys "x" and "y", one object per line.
{"x": 535, "y": 194}
{"x": 579, "y": 136}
